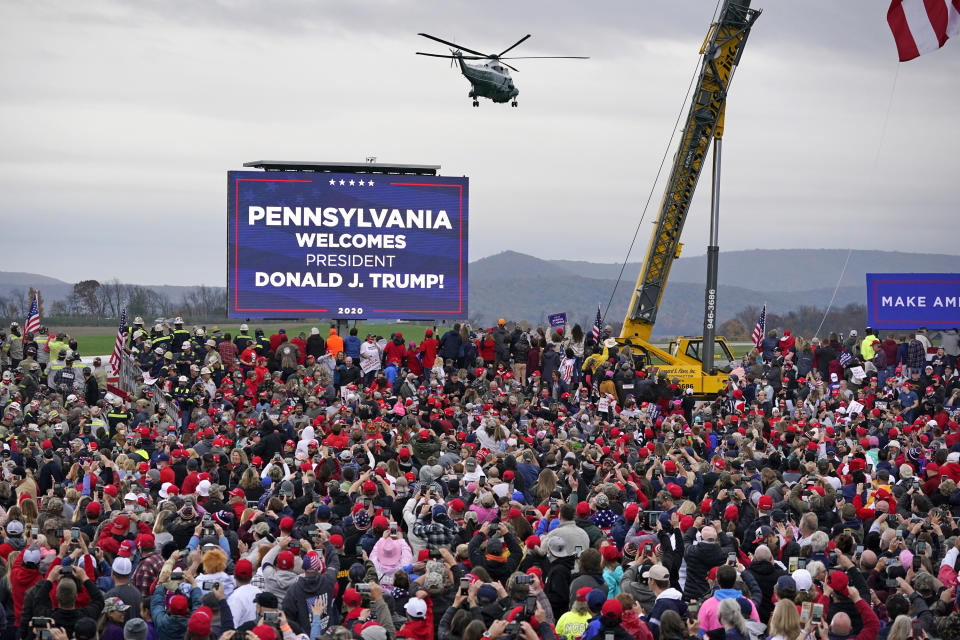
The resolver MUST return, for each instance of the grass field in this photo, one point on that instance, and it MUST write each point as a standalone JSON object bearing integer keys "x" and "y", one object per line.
{"x": 94, "y": 341}
{"x": 97, "y": 341}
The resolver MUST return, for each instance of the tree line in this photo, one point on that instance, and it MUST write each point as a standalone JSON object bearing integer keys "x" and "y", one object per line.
{"x": 96, "y": 301}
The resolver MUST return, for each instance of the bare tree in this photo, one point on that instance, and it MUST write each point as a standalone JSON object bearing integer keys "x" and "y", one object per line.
{"x": 85, "y": 293}
{"x": 112, "y": 295}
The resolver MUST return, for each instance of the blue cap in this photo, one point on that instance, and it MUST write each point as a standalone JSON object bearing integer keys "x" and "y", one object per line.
{"x": 785, "y": 583}
{"x": 323, "y": 512}
{"x": 163, "y": 457}
{"x": 266, "y": 481}
{"x": 487, "y": 593}
{"x": 439, "y": 511}
{"x": 595, "y": 599}
{"x": 518, "y": 496}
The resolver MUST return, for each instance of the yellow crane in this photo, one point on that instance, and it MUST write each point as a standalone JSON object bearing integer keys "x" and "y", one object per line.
{"x": 698, "y": 362}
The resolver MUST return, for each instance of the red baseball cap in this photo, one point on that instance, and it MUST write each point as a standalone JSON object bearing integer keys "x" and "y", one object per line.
{"x": 243, "y": 569}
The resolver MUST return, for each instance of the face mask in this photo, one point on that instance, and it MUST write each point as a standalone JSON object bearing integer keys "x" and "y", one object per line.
{"x": 129, "y": 508}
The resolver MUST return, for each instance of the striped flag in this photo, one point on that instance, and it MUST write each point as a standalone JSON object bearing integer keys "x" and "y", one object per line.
{"x": 597, "y": 325}
{"x": 118, "y": 345}
{"x": 922, "y": 26}
{"x": 32, "y": 324}
{"x": 761, "y": 328}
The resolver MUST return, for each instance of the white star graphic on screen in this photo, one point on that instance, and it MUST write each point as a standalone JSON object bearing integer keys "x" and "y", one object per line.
{"x": 351, "y": 183}
{"x": 332, "y": 181}
{"x": 370, "y": 182}
{"x": 342, "y": 183}
{"x": 361, "y": 183}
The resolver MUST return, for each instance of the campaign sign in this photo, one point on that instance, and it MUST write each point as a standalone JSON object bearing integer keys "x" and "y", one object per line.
{"x": 911, "y": 300}
{"x": 346, "y": 245}
{"x": 557, "y": 319}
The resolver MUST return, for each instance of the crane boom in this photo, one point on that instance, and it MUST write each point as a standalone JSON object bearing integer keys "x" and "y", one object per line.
{"x": 720, "y": 54}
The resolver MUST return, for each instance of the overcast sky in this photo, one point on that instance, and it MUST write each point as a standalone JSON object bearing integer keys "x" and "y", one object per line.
{"x": 119, "y": 120}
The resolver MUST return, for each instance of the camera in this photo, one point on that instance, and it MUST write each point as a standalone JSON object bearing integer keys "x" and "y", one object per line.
{"x": 362, "y": 588}
{"x": 512, "y": 629}
{"x": 176, "y": 575}
{"x": 210, "y": 586}
{"x": 524, "y": 579}
{"x": 271, "y": 617}
{"x": 464, "y": 586}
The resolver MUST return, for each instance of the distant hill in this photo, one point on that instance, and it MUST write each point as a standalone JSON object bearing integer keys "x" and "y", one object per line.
{"x": 796, "y": 269}
{"x": 524, "y": 287}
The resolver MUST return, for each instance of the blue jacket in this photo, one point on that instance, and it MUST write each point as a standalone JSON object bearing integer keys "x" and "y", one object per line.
{"x": 170, "y": 627}
{"x": 351, "y": 347}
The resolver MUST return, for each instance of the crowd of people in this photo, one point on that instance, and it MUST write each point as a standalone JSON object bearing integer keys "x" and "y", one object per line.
{"x": 505, "y": 483}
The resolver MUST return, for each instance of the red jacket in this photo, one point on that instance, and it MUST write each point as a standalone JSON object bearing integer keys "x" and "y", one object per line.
{"x": 111, "y": 543}
{"x": 487, "y": 349}
{"x": 429, "y": 348}
{"x": 21, "y": 579}
{"x": 413, "y": 363}
{"x": 394, "y": 352}
{"x": 302, "y": 348}
{"x": 419, "y": 629}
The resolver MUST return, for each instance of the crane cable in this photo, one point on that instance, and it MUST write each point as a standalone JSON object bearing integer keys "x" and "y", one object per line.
{"x": 876, "y": 160}
{"x": 663, "y": 160}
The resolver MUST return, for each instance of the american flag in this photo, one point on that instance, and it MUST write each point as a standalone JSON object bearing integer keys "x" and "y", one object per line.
{"x": 118, "y": 345}
{"x": 597, "y": 325}
{"x": 32, "y": 324}
{"x": 761, "y": 328}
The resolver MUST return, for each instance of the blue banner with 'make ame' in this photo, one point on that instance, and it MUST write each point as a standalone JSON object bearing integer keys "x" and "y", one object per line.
{"x": 911, "y": 300}
{"x": 331, "y": 245}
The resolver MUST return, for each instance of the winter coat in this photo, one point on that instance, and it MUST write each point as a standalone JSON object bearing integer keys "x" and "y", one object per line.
{"x": 21, "y": 580}
{"x": 301, "y": 595}
{"x": 766, "y": 574}
{"x": 708, "y": 610}
{"x": 669, "y": 600}
{"x": 450, "y": 344}
{"x": 556, "y": 581}
{"x": 591, "y": 580}
{"x": 67, "y": 618}
{"x": 168, "y": 626}
{"x": 419, "y": 629}
{"x": 316, "y": 346}
{"x": 700, "y": 558}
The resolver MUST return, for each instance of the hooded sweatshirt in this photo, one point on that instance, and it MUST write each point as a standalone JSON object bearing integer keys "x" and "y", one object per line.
{"x": 275, "y": 580}
{"x": 301, "y": 595}
{"x": 669, "y": 600}
{"x": 708, "y": 611}
{"x": 22, "y": 578}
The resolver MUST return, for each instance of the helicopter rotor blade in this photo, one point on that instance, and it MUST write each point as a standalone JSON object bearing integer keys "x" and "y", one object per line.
{"x": 508, "y": 65}
{"x": 513, "y": 45}
{"x": 443, "y": 55}
{"x": 546, "y": 58}
{"x": 453, "y": 44}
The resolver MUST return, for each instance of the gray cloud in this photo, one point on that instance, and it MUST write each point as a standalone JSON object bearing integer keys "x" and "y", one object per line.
{"x": 119, "y": 121}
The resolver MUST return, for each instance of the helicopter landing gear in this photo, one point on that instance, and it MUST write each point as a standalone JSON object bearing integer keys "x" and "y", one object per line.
{"x": 476, "y": 103}
{"x": 513, "y": 104}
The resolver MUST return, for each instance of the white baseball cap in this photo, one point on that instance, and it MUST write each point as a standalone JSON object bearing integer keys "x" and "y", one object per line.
{"x": 416, "y": 608}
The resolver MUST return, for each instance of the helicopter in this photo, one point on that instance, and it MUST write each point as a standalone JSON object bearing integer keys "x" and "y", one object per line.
{"x": 491, "y": 79}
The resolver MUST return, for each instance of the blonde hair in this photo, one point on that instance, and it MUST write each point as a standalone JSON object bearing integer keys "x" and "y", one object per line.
{"x": 901, "y": 629}
{"x": 785, "y": 620}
